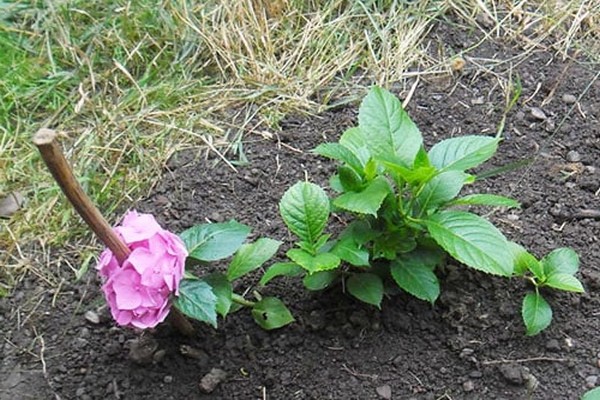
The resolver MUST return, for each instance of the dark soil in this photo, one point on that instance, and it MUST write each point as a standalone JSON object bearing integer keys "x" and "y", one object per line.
{"x": 470, "y": 345}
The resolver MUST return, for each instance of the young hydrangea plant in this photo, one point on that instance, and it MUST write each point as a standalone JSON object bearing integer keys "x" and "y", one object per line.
{"x": 141, "y": 291}
{"x": 406, "y": 216}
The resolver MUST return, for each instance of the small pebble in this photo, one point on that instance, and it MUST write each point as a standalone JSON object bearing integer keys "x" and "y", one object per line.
{"x": 591, "y": 381}
{"x": 513, "y": 374}
{"x": 478, "y": 101}
{"x": 466, "y": 352}
{"x": 569, "y": 98}
{"x": 537, "y": 113}
{"x": 141, "y": 351}
{"x": 92, "y": 317}
{"x": 80, "y": 392}
{"x": 573, "y": 156}
{"x": 168, "y": 379}
{"x": 210, "y": 381}
{"x": 159, "y": 356}
{"x": 468, "y": 386}
{"x": 385, "y": 392}
{"x": 475, "y": 374}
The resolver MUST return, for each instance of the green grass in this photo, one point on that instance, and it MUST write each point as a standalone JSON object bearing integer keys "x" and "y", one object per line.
{"x": 129, "y": 83}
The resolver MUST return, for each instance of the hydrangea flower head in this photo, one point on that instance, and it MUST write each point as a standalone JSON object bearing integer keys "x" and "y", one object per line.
{"x": 138, "y": 290}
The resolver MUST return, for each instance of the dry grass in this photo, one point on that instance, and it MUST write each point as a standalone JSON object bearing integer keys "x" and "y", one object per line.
{"x": 132, "y": 82}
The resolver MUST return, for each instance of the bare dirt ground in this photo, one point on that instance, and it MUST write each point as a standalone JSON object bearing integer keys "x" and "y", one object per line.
{"x": 470, "y": 345}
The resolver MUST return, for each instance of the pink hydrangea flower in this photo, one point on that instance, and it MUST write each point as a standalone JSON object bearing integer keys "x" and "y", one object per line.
{"x": 138, "y": 291}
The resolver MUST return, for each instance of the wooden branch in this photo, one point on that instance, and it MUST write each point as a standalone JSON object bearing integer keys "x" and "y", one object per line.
{"x": 45, "y": 140}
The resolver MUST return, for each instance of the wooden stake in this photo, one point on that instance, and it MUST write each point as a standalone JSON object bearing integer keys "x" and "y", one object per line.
{"x": 45, "y": 140}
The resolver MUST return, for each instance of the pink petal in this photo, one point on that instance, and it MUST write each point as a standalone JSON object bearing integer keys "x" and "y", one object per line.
{"x": 123, "y": 318}
{"x": 142, "y": 259}
{"x": 136, "y": 227}
{"x": 128, "y": 298}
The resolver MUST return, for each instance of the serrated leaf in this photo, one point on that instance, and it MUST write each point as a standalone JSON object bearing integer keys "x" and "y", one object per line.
{"x": 349, "y": 179}
{"x": 562, "y": 281}
{"x": 221, "y": 288}
{"x": 491, "y": 200}
{"x": 471, "y": 240}
{"x": 314, "y": 263}
{"x": 304, "y": 208}
{"x": 525, "y": 262}
{"x": 441, "y": 189}
{"x": 366, "y": 201}
{"x": 389, "y": 129}
{"x": 593, "y": 394}
{"x": 251, "y": 256}
{"x": 536, "y": 313}
{"x": 348, "y": 250}
{"x": 336, "y": 151}
{"x": 197, "y": 300}
{"x": 320, "y": 280}
{"x": 353, "y": 139}
{"x": 462, "y": 153}
{"x": 366, "y": 287}
{"x": 211, "y": 242}
{"x": 270, "y": 313}
{"x": 564, "y": 260}
{"x": 281, "y": 269}
{"x": 417, "y": 279}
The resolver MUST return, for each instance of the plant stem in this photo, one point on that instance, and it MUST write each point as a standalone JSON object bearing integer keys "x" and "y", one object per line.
{"x": 241, "y": 300}
{"x": 45, "y": 140}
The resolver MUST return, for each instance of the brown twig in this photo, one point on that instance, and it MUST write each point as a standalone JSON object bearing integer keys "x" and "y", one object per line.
{"x": 45, "y": 140}
{"x": 524, "y": 360}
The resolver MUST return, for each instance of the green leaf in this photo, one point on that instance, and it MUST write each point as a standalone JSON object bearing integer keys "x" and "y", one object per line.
{"x": 525, "y": 262}
{"x": 359, "y": 231}
{"x": 388, "y": 127}
{"x": 197, "y": 300}
{"x": 422, "y": 159}
{"x": 371, "y": 170}
{"x": 391, "y": 243}
{"x": 593, "y": 394}
{"x": 221, "y": 287}
{"x": 335, "y": 183}
{"x": 536, "y": 313}
{"x": 251, "y": 256}
{"x": 350, "y": 180}
{"x": 413, "y": 176}
{"x": 320, "y": 280}
{"x": 441, "y": 189}
{"x": 491, "y": 200}
{"x": 366, "y": 287}
{"x": 336, "y": 151}
{"x": 471, "y": 240}
{"x": 281, "y": 269}
{"x": 367, "y": 201}
{"x": 354, "y": 140}
{"x": 270, "y": 313}
{"x": 211, "y": 242}
{"x": 562, "y": 281}
{"x": 319, "y": 262}
{"x": 462, "y": 153}
{"x": 348, "y": 250}
{"x": 304, "y": 208}
{"x": 417, "y": 279}
{"x": 564, "y": 260}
